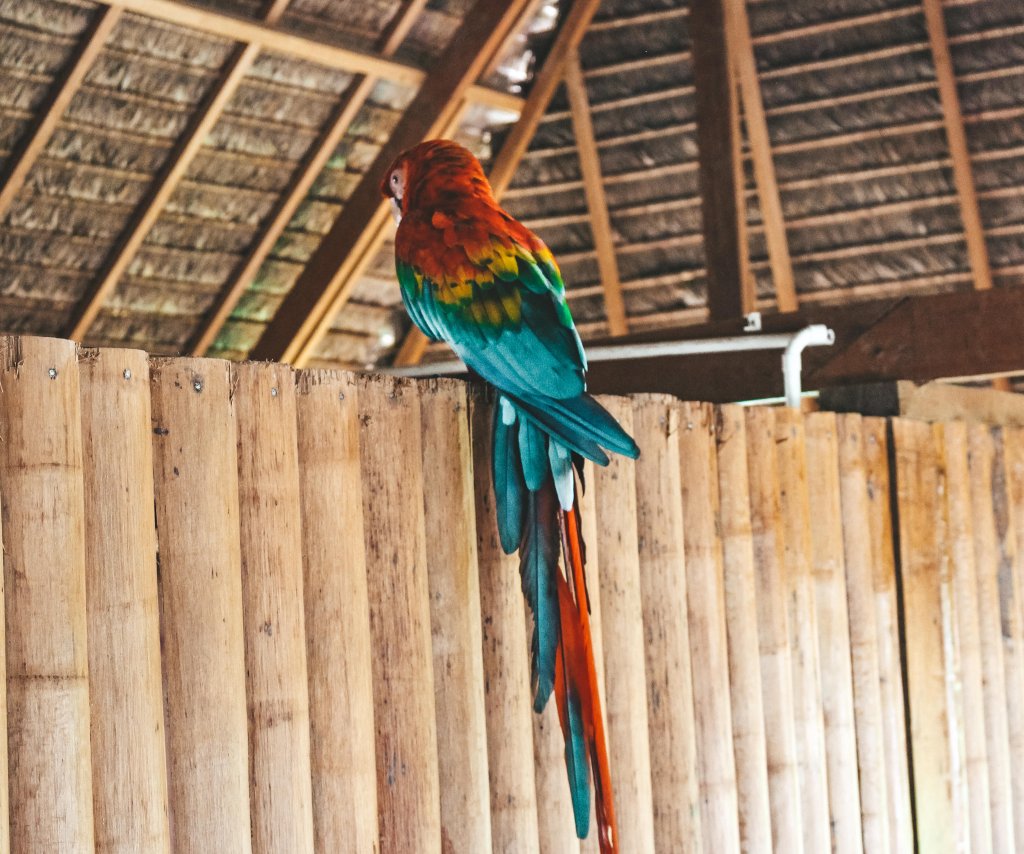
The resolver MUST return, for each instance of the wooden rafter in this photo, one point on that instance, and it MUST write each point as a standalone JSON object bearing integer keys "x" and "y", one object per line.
{"x": 50, "y": 113}
{"x": 730, "y": 284}
{"x": 320, "y": 152}
{"x": 147, "y": 214}
{"x": 546, "y": 81}
{"x": 326, "y": 282}
{"x": 243, "y": 29}
{"x": 597, "y": 205}
{"x": 742, "y": 49}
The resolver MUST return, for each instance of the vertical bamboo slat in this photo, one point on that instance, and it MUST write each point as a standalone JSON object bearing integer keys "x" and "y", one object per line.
{"x": 867, "y": 693}
{"x": 455, "y": 616}
{"x": 47, "y": 684}
{"x": 272, "y": 608}
{"x": 971, "y": 706}
{"x": 510, "y": 751}
{"x": 991, "y": 562}
{"x": 883, "y": 585}
{"x": 129, "y": 763}
{"x": 408, "y": 796}
{"x": 803, "y": 628}
{"x": 338, "y": 643}
{"x": 939, "y": 815}
{"x": 741, "y": 614}
{"x": 556, "y": 828}
{"x": 195, "y": 473}
{"x": 1013, "y": 618}
{"x": 614, "y": 490}
{"x": 834, "y": 657}
{"x": 773, "y": 632}
{"x": 676, "y": 793}
{"x": 709, "y": 653}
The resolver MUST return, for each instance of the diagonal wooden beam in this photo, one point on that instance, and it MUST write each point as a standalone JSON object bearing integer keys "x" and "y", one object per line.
{"x": 327, "y": 280}
{"x": 50, "y": 113}
{"x": 730, "y": 284}
{"x": 597, "y": 205}
{"x": 244, "y": 29}
{"x": 740, "y": 44}
{"x": 148, "y": 212}
{"x": 351, "y": 102}
{"x": 543, "y": 88}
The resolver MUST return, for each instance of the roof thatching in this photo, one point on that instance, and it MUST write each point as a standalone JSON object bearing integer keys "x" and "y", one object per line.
{"x": 853, "y": 114}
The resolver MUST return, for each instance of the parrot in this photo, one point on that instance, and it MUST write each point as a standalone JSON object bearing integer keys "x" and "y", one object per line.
{"x": 473, "y": 276}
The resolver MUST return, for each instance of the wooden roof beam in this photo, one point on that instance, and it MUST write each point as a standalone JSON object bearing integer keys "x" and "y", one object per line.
{"x": 730, "y": 284}
{"x": 50, "y": 113}
{"x": 147, "y": 214}
{"x": 326, "y": 281}
{"x": 313, "y": 164}
{"x": 542, "y": 89}
{"x": 597, "y": 204}
{"x": 742, "y": 49}
{"x": 240, "y": 28}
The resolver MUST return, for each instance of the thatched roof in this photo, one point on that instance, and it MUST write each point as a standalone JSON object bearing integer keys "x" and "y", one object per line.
{"x": 853, "y": 113}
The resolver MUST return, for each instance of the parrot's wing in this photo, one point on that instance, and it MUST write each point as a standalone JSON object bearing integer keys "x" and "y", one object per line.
{"x": 493, "y": 291}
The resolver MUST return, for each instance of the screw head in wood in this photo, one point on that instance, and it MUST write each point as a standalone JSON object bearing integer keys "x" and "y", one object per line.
{"x": 273, "y": 392}
{"x": 197, "y": 384}
{"x": 127, "y": 373}
{"x": 52, "y": 373}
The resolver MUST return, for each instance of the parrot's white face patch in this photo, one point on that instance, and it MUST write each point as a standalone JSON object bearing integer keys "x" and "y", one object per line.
{"x": 396, "y": 210}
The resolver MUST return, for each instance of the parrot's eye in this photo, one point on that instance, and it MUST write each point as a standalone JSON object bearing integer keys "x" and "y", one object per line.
{"x": 397, "y": 182}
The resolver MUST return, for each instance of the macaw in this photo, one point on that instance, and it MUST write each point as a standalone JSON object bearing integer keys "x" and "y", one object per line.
{"x": 473, "y": 276}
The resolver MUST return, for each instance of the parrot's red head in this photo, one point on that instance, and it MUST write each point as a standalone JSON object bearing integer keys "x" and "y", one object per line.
{"x": 436, "y": 174}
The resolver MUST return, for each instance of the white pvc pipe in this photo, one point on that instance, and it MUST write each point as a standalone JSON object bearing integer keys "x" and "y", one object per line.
{"x": 792, "y": 343}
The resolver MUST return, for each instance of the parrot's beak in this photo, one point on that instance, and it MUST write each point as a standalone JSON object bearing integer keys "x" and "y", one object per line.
{"x": 396, "y": 209}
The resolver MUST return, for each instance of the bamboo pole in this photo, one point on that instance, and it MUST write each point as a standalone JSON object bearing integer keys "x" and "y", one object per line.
{"x": 991, "y": 562}
{"x": 676, "y": 794}
{"x": 1013, "y": 616}
{"x": 510, "y": 749}
{"x": 829, "y": 572}
{"x": 196, "y": 479}
{"x": 408, "y": 794}
{"x": 272, "y": 608}
{"x": 741, "y": 614}
{"x": 940, "y": 814}
{"x": 867, "y": 691}
{"x": 339, "y": 647}
{"x": 626, "y": 712}
{"x": 959, "y": 544}
{"x": 129, "y": 762}
{"x": 883, "y": 585}
{"x": 768, "y": 534}
{"x": 709, "y": 653}
{"x": 47, "y": 686}
{"x": 455, "y": 616}
{"x": 803, "y": 628}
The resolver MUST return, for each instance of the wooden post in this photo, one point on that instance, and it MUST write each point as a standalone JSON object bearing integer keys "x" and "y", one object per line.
{"x": 741, "y": 614}
{"x": 860, "y": 598}
{"x": 626, "y": 711}
{"x": 196, "y": 479}
{"x": 510, "y": 749}
{"x": 272, "y": 608}
{"x": 129, "y": 762}
{"x": 768, "y": 533}
{"x": 396, "y": 569}
{"x": 47, "y": 682}
{"x": 883, "y": 584}
{"x": 709, "y": 653}
{"x": 959, "y": 551}
{"x": 338, "y": 643}
{"x": 803, "y": 628}
{"x": 1012, "y": 440}
{"x": 991, "y": 562}
{"x": 940, "y": 814}
{"x": 455, "y": 616}
{"x": 829, "y": 573}
{"x": 676, "y": 795}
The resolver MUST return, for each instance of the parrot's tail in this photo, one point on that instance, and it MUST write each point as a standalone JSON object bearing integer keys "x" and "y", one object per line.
{"x": 538, "y": 513}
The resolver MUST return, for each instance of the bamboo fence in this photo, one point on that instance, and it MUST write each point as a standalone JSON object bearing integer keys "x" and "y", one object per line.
{"x": 810, "y": 628}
